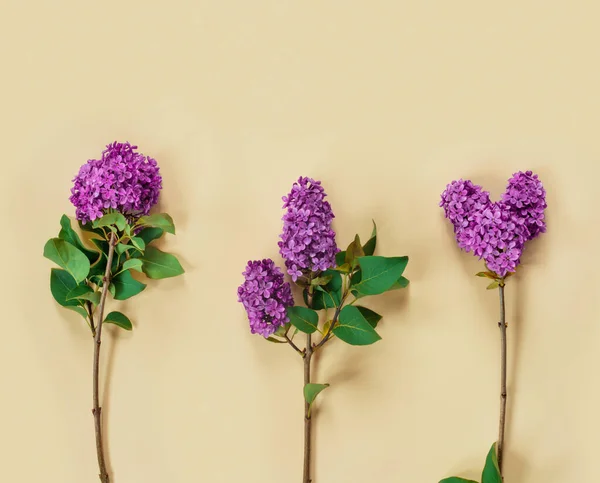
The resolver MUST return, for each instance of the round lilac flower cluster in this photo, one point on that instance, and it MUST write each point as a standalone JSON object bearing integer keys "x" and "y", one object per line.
{"x": 265, "y": 296}
{"x": 123, "y": 180}
{"x": 307, "y": 242}
{"x": 496, "y": 232}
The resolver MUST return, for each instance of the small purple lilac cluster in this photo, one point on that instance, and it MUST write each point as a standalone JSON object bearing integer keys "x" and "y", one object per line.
{"x": 122, "y": 180}
{"x": 307, "y": 242}
{"x": 265, "y": 296}
{"x": 496, "y": 231}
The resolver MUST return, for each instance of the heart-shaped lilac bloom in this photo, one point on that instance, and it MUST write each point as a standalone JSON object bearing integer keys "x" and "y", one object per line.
{"x": 496, "y": 231}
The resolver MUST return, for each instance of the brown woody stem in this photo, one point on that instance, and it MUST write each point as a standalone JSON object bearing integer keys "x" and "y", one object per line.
{"x": 307, "y": 416}
{"x": 97, "y": 410}
{"x": 503, "y": 395}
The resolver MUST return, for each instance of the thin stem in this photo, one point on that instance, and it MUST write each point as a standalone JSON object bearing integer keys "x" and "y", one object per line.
{"x": 97, "y": 410}
{"x": 502, "y": 325}
{"x": 307, "y": 416}
{"x": 295, "y": 347}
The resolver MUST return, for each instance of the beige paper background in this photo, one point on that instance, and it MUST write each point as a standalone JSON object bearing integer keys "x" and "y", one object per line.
{"x": 385, "y": 102}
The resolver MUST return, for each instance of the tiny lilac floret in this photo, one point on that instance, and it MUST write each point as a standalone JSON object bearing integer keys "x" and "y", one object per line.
{"x": 265, "y": 296}
{"x": 496, "y": 231}
{"x": 307, "y": 241}
{"x": 122, "y": 180}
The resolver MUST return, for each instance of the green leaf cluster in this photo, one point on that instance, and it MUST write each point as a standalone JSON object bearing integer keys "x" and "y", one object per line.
{"x": 491, "y": 471}
{"x": 358, "y": 273}
{"x": 78, "y": 282}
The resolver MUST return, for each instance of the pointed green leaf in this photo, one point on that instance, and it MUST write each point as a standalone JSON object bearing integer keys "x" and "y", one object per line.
{"x": 111, "y": 219}
{"x": 276, "y": 341}
{"x": 400, "y": 283}
{"x": 119, "y": 319}
{"x": 322, "y": 280}
{"x": 159, "y": 220}
{"x": 80, "y": 310}
{"x": 126, "y": 286}
{"x": 490, "y": 275}
{"x": 379, "y": 274}
{"x": 340, "y": 257}
{"x": 122, "y": 248}
{"x": 150, "y": 234}
{"x": 69, "y": 235}
{"x": 139, "y": 243}
{"x": 353, "y": 328}
{"x": 491, "y": 471}
{"x": 456, "y": 479}
{"x": 370, "y": 316}
{"x": 306, "y": 320}
{"x": 158, "y": 264}
{"x": 354, "y": 251}
{"x": 369, "y": 247}
{"x": 311, "y": 391}
{"x": 83, "y": 292}
{"x": 61, "y": 284}
{"x": 68, "y": 257}
{"x": 133, "y": 264}
{"x": 492, "y": 286}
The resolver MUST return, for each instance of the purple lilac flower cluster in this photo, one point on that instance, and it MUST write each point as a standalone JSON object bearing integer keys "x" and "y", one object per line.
{"x": 265, "y": 296}
{"x": 307, "y": 242}
{"x": 496, "y": 231}
{"x": 122, "y": 180}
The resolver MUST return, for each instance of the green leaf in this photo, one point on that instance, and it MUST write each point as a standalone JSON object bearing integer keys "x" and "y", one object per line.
{"x": 158, "y": 264}
{"x": 370, "y": 316}
{"x": 159, "y": 220}
{"x": 311, "y": 391}
{"x": 277, "y": 341}
{"x": 353, "y": 328}
{"x": 150, "y": 234}
{"x": 80, "y": 310}
{"x": 490, "y": 275}
{"x": 369, "y": 247}
{"x": 83, "y": 292}
{"x": 69, "y": 235}
{"x": 116, "y": 219}
{"x": 68, "y": 257}
{"x": 139, "y": 243}
{"x": 282, "y": 330}
{"x": 326, "y": 326}
{"x": 456, "y": 479}
{"x": 379, "y": 274}
{"x": 126, "y": 286}
{"x": 491, "y": 471}
{"x": 133, "y": 264}
{"x": 344, "y": 268}
{"x": 400, "y": 283}
{"x": 122, "y": 248}
{"x": 492, "y": 286}
{"x": 340, "y": 257}
{"x": 354, "y": 251}
{"x": 330, "y": 295}
{"x": 322, "y": 280}
{"x": 306, "y": 320}
{"x": 119, "y": 319}
{"x": 61, "y": 284}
